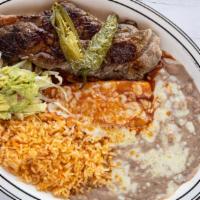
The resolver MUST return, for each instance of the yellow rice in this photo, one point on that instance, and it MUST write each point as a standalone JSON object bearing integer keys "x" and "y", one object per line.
{"x": 54, "y": 154}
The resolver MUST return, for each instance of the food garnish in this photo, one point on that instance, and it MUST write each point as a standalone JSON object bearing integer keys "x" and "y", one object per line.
{"x": 68, "y": 36}
{"x": 91, "y": 59}
{"x": 98, "y": 46}
{"x": 20, "y": 91}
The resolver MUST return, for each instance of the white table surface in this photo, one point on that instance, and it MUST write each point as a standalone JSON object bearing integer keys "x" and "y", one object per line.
{"x": 184, "y": 13}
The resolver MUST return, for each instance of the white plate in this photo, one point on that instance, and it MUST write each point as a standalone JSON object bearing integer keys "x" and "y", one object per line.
{"x": 173, "y": 40}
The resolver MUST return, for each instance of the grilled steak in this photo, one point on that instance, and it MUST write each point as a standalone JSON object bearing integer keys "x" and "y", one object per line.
{"x": 133, "y": 53}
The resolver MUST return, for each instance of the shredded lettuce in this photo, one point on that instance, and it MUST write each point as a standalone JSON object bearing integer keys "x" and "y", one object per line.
{"x": 20, "y": 91}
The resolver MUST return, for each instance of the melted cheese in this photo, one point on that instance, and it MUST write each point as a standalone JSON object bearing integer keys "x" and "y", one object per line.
{"x": 190, "y": 127}
{"x": 167, "y": 162}
{"x": 171, "y": 187}
{"x": 170, "y": 157}
{"x": 121, "y": 180}
{"x": 121, "y": 109}
{"x": 114, "y": 106}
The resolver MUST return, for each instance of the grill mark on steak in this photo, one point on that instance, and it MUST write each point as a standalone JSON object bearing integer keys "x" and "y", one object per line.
{"x": 86, "y": 24}
{"x": 25, "y": 39}
{"x": 122, "y": 52}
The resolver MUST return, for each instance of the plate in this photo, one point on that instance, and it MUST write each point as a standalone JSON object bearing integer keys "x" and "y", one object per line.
{"x": 173, "y": 40}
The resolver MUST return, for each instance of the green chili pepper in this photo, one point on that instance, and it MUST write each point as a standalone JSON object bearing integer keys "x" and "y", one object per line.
{"x": 98, "y": 46}
{"x": 91, "y": 59}
{"x": 68, "y": 36}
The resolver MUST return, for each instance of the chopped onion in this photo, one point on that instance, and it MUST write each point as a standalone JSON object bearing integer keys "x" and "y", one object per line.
{"x": 55, "y": 106}
{"x": 56, "y": 74}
